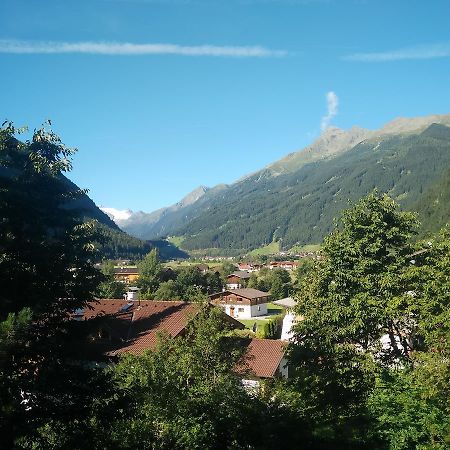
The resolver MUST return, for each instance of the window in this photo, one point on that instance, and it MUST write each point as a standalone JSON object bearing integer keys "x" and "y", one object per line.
{"x": 239, "y": 299}
{"x": 240, "y": 309}
{"x": 259, "y": 308}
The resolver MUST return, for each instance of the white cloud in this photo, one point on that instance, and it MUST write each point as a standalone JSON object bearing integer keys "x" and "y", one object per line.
{"x": 418, "y": 52}
{"x": 115, "y": 48}
{"x": 332, "y": 110}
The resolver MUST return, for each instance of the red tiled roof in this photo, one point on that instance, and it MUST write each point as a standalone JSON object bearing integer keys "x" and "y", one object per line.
{"x": 137, "y": 329}
{"x": 262, "y": 358}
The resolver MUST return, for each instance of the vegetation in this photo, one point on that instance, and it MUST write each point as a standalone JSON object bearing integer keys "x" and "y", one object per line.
{"x": 375, "y": 332}
{"x": 46, "y": 273}
{"x": 277, "y": 282}
{"x": 369, "y": 365}
{"x": 270, "y": 249}
{"x": 110, "y": 288}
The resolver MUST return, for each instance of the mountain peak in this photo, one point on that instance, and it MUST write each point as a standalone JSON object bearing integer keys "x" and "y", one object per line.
{"x": 193, "y": 196}
{"x": 117, "y": 214}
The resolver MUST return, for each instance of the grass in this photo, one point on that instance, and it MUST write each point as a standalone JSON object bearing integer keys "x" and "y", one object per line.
{"x": 271, "y": 249}
{"x": 274, "y": 309}
{"x": 187, "y": 263}
{"x": 249, "y": 323}
{"x": 176, "y": 240}
{"x": 305, "y": 248}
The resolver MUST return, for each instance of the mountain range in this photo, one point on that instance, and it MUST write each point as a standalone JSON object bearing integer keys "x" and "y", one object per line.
{"x": 295, "y": 199}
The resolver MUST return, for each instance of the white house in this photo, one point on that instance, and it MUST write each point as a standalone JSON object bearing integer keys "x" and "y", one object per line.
{"x": 242, "y": 303}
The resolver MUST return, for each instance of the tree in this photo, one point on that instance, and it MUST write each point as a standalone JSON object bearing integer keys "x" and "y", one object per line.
{"x": 362, "y": 288}
{"x": 360, "y": 291}
{"x": 110, "y": 288}
{"x": 46, "y": 272}
{"x": 175, "y": 391}
{"x": 168, "y": 290}
{"x": 149, "y": 274}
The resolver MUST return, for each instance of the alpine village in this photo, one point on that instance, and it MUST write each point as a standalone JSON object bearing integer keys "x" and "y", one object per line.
{"x": 304, "y": 305}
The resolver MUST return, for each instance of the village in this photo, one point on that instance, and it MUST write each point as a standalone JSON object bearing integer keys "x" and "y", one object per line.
{"x": 132, "y": 325}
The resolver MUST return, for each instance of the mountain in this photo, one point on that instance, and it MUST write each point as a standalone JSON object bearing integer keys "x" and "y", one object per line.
{"x": 151, "y": 225}
{"x": 295, "y": 199}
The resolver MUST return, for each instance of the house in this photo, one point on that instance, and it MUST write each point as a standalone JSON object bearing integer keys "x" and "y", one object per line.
{"x": 202, "y": 268}
{"x": 289, "y": 319}
{"x": 248, "y": 267}
{"x": 262, "y": 359}
{"x": 114, "y": 327}
{"x": 126, "y": 274}
{"x": 242, "y": 303}
{"x": 237, "y": 280}
{"x": 117, "y": 326}
{"x": 286, "y": 265}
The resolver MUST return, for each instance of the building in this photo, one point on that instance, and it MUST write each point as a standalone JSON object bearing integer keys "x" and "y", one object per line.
{"x": 237, "y": 280}
{"x": 286, "y": 265}
{"x": 126, "y": 274}
{"x": 263, "y": 358}
{"x": 248, "y": 267}
{"x": 202, "y": 268}
{"x": 289, "y": 319}
{"x": 242, "y": 303}
{"x": 116, "y": 326}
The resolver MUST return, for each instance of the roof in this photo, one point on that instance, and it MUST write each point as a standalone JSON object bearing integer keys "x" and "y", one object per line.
{"x": 262, "y": 358}
{"x": 248, "y": 293}
{"x": 287, "y": 302}
{"x": 125, "y": 270}
{"x": 137, "y": 328}
{"x": 239, "y": 274}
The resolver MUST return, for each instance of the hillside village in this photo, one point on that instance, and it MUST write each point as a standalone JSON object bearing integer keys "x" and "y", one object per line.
{"x": 132, "y": 325}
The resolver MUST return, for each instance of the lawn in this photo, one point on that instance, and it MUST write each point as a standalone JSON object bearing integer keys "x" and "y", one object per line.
{"x": 271, "y": 249}
{"x": 305, "y": 248}
{"x": 272, "y": 310}
{"x": 176, "y": 240}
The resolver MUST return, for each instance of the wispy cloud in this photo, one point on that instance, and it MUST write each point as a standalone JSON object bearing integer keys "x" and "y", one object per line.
{"x": 418, "y": 52}
{"x": 332, "y": 110}
{"x": 115, "y": 48}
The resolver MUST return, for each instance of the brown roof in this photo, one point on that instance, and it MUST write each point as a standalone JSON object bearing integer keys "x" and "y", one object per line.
{"x": 239, "y": 274}
{"x": 125, "y": 270}
{"x": 262, "y": 358}
{"x": 248, "y": 293}
{"x": 137, "y": 328}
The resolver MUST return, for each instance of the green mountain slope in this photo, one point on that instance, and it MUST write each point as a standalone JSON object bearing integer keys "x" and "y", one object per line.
{"x": 294, "y": 200}
{"x": 299, "y": 207}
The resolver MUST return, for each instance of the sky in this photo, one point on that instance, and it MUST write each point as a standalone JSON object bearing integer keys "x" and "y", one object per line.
{"x": 161, "y": 96}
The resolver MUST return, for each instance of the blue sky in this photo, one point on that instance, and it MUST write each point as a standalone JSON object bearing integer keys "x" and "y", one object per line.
{"x": 160, "y": 96}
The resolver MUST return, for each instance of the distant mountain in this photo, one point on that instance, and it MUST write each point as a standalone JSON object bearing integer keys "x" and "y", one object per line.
{"x": 295, "y": 199}
{"x": 153, "y": 225}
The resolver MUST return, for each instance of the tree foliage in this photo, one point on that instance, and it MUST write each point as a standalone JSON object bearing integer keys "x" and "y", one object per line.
{"x": 45, "y": 272}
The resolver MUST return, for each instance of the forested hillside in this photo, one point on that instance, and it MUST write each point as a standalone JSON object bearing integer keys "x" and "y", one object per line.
{"x": 298, "y": 207}
{"x": 295, "y": 199}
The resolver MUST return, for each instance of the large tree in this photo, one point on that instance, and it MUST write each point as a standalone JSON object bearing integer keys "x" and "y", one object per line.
{"x": 374, "y": 331}
{"x": 46, "y": 272}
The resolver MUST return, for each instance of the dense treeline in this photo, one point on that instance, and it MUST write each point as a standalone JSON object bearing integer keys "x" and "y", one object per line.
{"x": 158, "y": 283}
{"x": 116, "y": 244}
{"x": 369, "y": 364}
